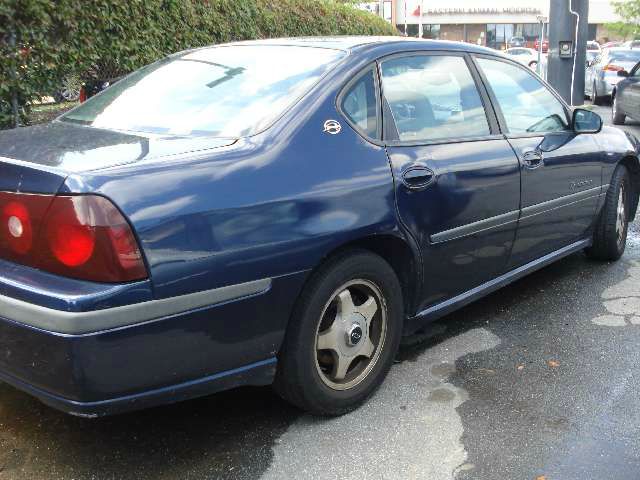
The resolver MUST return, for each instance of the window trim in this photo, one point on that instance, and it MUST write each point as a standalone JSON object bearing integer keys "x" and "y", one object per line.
{"x": 370, "y": 68}
{"x": 496, "y": 105}
{"x": 492, "y": 123}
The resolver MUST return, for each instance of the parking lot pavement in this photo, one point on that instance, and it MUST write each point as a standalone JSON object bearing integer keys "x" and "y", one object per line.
{"x": 538, "y": 379}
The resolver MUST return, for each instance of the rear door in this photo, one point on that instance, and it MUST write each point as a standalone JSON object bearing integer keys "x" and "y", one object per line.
{"x": 561, "y": 171}
{"x": 457, "y": 179}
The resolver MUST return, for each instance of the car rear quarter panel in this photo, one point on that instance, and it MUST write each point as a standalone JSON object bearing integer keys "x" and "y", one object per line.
{"x": 271, "y": 205}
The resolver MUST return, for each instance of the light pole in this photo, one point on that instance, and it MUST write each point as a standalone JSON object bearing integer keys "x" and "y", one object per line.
{"x": 542, "y": 19}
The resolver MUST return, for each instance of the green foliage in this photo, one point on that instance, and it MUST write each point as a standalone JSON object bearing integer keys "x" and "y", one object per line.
{"x": 56, "y": 38}
{"x": 629, "y": 11}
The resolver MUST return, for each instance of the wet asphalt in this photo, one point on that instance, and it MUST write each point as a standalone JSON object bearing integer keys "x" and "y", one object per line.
{"x": 537, "y": 381}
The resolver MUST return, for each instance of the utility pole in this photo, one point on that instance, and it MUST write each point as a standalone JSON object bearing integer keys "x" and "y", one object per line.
{"x": 568, "y": 32}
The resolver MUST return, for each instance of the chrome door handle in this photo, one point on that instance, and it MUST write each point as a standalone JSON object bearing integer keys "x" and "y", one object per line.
{"x": 532, "y": 158}
{"x": 417, "y": 177}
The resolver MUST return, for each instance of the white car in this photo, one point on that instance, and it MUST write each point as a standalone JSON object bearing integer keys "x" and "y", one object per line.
{"x": 631, "y": 44}
{"x": 526, "y": 56}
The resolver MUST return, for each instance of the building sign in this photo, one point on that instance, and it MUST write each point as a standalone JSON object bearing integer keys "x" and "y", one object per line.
{"x": 479, "y": 10}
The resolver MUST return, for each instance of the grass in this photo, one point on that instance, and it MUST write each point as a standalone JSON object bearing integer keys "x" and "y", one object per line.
{"x": 43, "y": 113}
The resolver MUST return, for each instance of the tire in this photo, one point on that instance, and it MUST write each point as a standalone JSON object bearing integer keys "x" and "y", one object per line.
{"x": 315, "y": 378}
{"x": 617, "y": 116}
{"x": 610, "y": 232}
{"x": 594, "y": 96}
{"x": 533, "y": 65}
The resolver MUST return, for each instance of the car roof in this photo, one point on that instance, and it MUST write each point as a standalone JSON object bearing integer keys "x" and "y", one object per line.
{"x": 359, "y": 43}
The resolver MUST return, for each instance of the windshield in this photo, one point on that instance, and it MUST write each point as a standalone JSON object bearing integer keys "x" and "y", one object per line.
{"x": 625, "y": 55}
{"x": 225, "y": 91}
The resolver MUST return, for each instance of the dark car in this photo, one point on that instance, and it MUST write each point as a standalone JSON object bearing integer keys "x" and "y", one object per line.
{"x": 626, "y": 96}
{"x": 283, "y": 212}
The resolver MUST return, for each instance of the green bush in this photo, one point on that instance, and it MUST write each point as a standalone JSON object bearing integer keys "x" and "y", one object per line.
{"x": 56, "y": 38}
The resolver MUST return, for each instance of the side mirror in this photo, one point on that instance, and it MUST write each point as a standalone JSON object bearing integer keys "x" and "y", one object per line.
{"x": 623, "y": 73}
{"x": 586, "y": 121}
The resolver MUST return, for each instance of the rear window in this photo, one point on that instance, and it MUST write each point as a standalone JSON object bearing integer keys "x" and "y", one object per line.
{"x": 222, "y": 91}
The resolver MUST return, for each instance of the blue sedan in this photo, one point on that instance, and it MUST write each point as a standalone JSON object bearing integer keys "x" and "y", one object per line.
{"x": 282, "y": 212}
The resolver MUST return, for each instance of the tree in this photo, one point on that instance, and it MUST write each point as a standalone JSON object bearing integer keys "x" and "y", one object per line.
{"x": 629, "y": 11}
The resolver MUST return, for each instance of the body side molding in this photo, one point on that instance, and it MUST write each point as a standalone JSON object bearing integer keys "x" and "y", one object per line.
{"x": 75, "y": 323}
{"x": 475, "y": 227}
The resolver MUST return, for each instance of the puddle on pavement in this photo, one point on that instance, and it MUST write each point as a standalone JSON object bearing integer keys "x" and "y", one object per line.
{"x": 422, "y": 439}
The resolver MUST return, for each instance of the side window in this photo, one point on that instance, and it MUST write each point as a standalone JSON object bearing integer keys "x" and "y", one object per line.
{"x": 360, "y": 105}
{"x": 527, "y": 104}
{"x": 433, "y": 97}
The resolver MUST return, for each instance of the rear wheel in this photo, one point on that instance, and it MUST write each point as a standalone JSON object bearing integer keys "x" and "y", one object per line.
{"x": 343, "y": 335}
{"x": 597, "y": 100}
{"x": 617, "y": 115}
{"x": 610, "y": 233}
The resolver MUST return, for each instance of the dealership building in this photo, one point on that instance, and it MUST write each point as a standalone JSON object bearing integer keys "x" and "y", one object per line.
{"x": 492, "y": 26}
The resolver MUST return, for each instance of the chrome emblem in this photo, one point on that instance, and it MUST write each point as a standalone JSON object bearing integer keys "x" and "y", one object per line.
{"x": 332, "y": 127}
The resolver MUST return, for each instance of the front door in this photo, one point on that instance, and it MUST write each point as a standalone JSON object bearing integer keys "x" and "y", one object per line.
{"x": 457, "y": 180}
{"x": 633, "y": 92}
{"x": 561, "y": 171}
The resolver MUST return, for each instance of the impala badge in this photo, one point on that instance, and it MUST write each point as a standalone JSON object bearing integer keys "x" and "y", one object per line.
{"x": 332, "y": 127}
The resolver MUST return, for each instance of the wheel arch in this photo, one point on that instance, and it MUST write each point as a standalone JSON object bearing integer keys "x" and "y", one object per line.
{"x": 633, "y": 166}
{"x": 397, "y": 251}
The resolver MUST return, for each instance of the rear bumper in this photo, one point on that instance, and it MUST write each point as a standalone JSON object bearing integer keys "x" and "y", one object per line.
{"x": 156, "y": 360}
{"x": 258, "y": 373}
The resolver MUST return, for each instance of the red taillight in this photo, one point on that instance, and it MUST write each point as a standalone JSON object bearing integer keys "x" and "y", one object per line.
{"x": 83, "y": 95}
{"x": 612, "y": 68}
{"x": 80, "y": 236}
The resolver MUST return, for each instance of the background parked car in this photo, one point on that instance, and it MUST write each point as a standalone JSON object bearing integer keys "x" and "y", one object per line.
{"x": 610, "y": 45}
{"x": 602, "y": 74}
{"x": 93, "y": 87}
{"x": 525, "y": 56}
{"x": 69, "y": 89}
{"x": 545, "y": 45}
{"x": 517, "y": 42}
{"x": 625, "y": 99}
{"x": 631, "y": 44}
{"x": 592, "y": 45}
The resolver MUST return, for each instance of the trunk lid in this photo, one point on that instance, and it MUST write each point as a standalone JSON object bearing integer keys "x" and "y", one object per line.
{"x": 38, "y": 159}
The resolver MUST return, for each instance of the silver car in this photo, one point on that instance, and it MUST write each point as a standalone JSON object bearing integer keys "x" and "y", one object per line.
{"x": 602, "y": 73}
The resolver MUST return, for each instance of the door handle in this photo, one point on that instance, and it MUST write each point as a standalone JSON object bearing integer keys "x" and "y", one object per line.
{"x": 417, "y": 177}
{"x": 532, "y": 158}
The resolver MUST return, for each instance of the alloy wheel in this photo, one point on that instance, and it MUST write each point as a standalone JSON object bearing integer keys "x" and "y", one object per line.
{"x": 621, "y": 216}
{"x": 351, "y": 334}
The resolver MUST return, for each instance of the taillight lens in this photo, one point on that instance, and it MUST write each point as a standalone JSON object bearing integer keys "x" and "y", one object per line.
{"x": 82, "y": 236}
{"x": 83, "y": 94}
{"x": 612, "y": 68}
